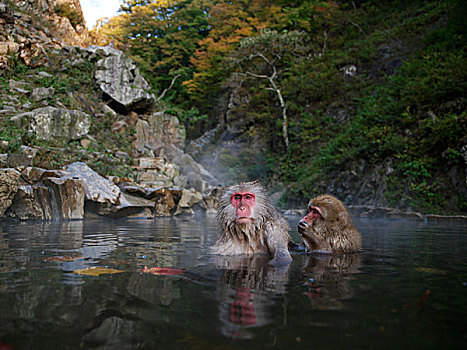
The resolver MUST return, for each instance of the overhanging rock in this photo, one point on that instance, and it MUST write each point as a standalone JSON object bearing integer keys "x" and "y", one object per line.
{"x": 118, "y": 76}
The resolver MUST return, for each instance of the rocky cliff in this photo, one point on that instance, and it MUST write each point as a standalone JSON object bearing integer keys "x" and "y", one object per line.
{"x": 28, "y": 26}
{"x": 81, "y": 133}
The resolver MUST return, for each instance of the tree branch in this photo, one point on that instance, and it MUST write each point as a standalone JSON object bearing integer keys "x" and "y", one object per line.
{"x": 170, "y": 87}
{"x": 359, "y": 28}
{"x": 325, "y": 42}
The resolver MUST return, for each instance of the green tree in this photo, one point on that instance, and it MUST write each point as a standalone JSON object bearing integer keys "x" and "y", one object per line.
{"x": 265, "y": 57}
{"x": 161, "y": 36}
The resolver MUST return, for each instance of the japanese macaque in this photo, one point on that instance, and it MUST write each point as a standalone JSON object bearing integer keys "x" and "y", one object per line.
{"x": 327, "y": 227}
{"x": 250, "y": 225}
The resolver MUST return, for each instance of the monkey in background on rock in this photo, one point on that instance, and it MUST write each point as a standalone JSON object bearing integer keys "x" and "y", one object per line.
{"x": 327, "y": 227}
{"x": 251, "y": 225}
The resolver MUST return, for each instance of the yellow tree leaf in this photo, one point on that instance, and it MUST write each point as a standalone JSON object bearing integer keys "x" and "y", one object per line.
{"x": 96, "y": 271}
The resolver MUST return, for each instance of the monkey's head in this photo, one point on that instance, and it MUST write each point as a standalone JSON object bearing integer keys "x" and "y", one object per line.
{"x": 324, "y": 208}
{"x": 244, "y": 203}
{"x": 313, "y": 215}
{"x": 327, "y": 227}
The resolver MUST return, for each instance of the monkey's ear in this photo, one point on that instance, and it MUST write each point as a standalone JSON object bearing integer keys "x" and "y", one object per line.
{"x": 323, "y": 212}
{"x": 342, "y": 219}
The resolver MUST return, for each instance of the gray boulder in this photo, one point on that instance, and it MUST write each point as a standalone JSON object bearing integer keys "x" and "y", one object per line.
{"x": 8, "y": 187}
{"x": 50, "y": 122}
{"x": 187, "y": 200}
{"x": 31, "y": 203}
{"x": 96, "y": 51}
{"x": 41, "y": 93}
{"x": 119, "y": 77}
{"x": 68, "y": 195}
{"x": 161, "y": 134}
{"x": 189, "y": 166}
{"x": 130, "y": 206}
{"x": 98, "y": 189}
{"x": 48, "y": 195}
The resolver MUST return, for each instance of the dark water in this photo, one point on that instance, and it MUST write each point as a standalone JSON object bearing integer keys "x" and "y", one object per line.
{"x": 407, "y": 290}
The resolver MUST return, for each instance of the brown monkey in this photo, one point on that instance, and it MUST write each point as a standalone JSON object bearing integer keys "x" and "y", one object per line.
{"x": 251, "y": 225}
{"x": 327, "y": 227}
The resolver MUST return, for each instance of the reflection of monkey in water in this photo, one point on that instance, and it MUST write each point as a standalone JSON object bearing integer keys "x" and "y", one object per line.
{"x": 251, "y": 225}
{"x": 246, "y": 293}
{"x": 327, "y": 227}
{"x": 328, "y": 277}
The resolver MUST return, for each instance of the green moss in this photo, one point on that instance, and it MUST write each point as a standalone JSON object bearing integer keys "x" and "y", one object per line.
{"x": 74, "y": 88}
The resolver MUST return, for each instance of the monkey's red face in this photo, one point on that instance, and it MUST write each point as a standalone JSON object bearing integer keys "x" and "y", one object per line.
{"x": 305, "y": 227}
{"x": 312, "y": 214}
{"x": 243, "y": 203}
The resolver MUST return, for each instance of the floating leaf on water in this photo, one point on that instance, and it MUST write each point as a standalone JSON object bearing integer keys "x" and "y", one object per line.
{"x": 430, "y": 270}
{"x": 421, "y": 301}
{"x": 61, "y": 258}
{"x": 163, "y": 271}
{"x": 5, "y": 346}
{"x": 423, "y": 298}
{"x": 96, "y": 271}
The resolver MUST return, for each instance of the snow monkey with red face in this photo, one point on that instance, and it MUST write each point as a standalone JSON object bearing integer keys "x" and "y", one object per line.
{"x": 327, "y": 227}
{"x": 251, "y": 225}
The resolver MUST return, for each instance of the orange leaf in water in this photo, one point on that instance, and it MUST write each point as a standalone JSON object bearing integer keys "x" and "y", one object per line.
{"x": 61, "y": 258}
{"x": 96, "y": 271}
{"x": 163, "y": 271}
{"x": 423, "y": 298}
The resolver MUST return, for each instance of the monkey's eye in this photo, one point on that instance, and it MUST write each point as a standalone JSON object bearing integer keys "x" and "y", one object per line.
{"x": 313, "y": 211}
{"x": 247, "y": 196}
{"x": 238, "y": 197}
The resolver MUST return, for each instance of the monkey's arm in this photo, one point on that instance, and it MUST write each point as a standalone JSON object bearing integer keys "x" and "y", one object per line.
{"x": 295, "y": 247}
{"x": 277, "y": 240}
{"x": 316, "y": 243}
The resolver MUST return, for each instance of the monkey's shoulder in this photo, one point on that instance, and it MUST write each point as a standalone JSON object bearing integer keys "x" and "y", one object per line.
{"x": 276, "y": 227}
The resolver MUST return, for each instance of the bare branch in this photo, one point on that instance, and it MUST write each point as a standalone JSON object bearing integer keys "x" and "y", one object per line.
{"x": 325, "y": 42}
{"x": 170, "y": 87}
{"x": 272, "y": 87}
{"x": 359, "y": 28}
{"x": 257, "y": 75}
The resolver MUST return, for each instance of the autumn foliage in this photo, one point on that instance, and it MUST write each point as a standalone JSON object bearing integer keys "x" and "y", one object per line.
{"x": 366, "y": 85}
{"x": 194, "y": 37}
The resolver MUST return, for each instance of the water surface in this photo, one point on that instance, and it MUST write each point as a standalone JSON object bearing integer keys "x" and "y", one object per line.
{"x": 407, "y": 290}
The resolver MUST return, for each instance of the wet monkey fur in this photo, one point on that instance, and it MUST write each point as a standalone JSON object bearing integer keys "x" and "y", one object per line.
{"x": 250, "y": 225}
{"x": 327, "y": 227}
